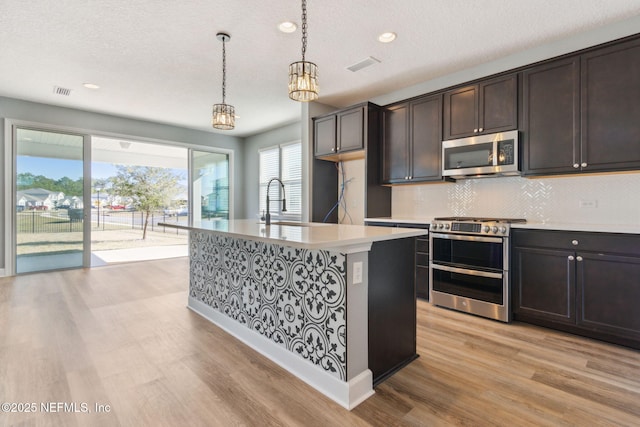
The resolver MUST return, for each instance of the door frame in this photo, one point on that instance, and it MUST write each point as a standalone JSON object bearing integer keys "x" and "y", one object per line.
{"x": 190, "y": 174}
{"x": 11, "y": 128}
{"x": 9, "y": 166}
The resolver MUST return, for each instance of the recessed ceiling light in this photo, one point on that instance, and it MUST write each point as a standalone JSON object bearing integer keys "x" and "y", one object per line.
{"x": 387, "y": 37}
{"x": 91, "y": 86}
{"x": 287, "y": 27}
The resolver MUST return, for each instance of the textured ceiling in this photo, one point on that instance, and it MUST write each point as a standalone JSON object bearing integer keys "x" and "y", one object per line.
{"x": 159, "y": 60}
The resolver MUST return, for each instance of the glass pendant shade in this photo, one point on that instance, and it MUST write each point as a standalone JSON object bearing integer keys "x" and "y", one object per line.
{"x": 303, "y": 81}
{"x": 223, "y": 117}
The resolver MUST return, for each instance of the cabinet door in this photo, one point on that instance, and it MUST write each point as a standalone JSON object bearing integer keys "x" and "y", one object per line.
{"x": 461, "y": 112}
{"x": 324, "y": 135}
{"x": 498, "y": 109}
{"x": 608, "y": 291}
{"x": 543, "y": 284}
{"x": 551, "y": 117}
{"x": 394, "y": 144}
{"x": 350, "y": 130}
{"x": 611, "y": 108}
{"x": 426, "y": 139}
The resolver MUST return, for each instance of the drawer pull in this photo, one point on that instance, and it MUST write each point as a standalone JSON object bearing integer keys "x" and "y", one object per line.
{"x": 570, "y": 258}
{"x": 574, "y": 242}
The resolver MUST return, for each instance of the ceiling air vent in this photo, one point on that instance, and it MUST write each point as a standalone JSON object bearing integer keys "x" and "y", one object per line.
{"x": 363, "y": 64}
{"x": 61, "y": 91}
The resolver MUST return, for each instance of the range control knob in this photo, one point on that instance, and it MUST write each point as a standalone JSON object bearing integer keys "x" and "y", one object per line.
{"x": 440, "y": 226}
{"x": 486, "y": 228}
{"x": 494, "y": 229}
{"x": 446, "y": 226}
{"x": 503, "y": 229}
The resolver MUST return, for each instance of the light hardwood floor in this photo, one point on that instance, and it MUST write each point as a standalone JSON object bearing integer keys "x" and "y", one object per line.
{"x": 122, "y": 336}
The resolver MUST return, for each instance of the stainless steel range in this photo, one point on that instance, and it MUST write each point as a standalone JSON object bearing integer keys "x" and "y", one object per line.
{"x": 469, "y": 265}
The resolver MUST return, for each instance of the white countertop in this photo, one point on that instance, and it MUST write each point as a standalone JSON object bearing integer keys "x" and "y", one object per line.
{"x": 304, "y": 235}
{"x": 561, "y": 226}
{"x": 599, "y": 228}
{"x": 405, "y": 220}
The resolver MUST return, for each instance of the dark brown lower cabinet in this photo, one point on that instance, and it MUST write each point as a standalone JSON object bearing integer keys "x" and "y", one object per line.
{"x": 392, "y": 307}
{"x": 583, "y": 283}
{"x": 421, "y": 276}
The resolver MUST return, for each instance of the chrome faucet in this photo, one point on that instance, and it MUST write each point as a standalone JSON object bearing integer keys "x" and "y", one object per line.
{"x": 267, "y": 217}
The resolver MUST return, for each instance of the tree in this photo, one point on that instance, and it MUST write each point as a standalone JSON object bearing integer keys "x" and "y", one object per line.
{"x": 148, "y": 187}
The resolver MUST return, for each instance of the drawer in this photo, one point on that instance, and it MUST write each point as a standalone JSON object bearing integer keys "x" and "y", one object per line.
{"x": 422, "y": 260}
{"x": 422, "y": 245}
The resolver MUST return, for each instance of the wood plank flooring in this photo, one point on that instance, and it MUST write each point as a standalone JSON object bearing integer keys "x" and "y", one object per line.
{"x": 122, "y": 336}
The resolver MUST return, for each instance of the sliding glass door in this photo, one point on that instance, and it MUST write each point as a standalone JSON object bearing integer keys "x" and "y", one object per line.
{"x": 210, "y": 194}
{"x": 50, "y": 200}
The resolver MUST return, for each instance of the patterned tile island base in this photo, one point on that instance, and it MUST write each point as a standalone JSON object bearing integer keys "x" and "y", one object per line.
{"x": 291, "y": 304}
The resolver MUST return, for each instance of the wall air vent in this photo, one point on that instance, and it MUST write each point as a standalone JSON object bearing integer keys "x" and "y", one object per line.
{"x": 61, "y": 91}
{"x": 363, "y": 64}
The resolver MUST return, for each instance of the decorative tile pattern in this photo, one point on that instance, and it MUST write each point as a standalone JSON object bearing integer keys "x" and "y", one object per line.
{"x": 295, "y": 297}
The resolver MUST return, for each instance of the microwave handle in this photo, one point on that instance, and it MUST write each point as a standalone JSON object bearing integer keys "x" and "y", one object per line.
{"x": 495, "y": 152}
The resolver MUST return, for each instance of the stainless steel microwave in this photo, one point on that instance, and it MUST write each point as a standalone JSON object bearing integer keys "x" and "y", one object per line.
{"x": 481, "y": 156}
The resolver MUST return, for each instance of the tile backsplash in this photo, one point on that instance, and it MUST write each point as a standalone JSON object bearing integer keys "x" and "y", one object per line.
{"x": 580, "y": 199}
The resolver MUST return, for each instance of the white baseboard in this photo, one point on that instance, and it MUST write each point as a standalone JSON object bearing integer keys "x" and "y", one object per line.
{"x": 347, "y": 394}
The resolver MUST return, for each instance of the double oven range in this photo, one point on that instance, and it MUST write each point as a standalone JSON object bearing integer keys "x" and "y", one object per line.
{"x": 469, "y": 265}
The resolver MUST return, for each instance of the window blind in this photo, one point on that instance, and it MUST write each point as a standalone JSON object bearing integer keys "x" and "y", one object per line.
{"x": 284, "y": 162}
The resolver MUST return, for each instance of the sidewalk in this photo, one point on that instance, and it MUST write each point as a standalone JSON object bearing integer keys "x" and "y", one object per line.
{"x": 107, "y": 247}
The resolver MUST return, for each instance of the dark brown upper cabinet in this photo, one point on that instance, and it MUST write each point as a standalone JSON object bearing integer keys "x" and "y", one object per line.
{"x": 324, "y": 129}
{"x": 551, "y": 117}
{"x": 411, "y": 144}
{"x": 610, "y": 97}
{"x": 582, "y": 114}
{"x": 486, "y": 107}
{"x": 342, "y": 134}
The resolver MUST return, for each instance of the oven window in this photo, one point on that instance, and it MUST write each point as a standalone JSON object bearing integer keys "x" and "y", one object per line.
{"x": 469, "y": 286}
{"x": 468, "y": 156}
{"x": 486, "y": 256}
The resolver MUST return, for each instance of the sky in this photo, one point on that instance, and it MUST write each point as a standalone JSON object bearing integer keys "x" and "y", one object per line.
{"x": 58, "y": 168}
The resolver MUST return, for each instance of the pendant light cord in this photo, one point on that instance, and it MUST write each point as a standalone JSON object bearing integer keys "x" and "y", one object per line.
{"x": 224, "y": 70}
{"x": 304, "y": 28}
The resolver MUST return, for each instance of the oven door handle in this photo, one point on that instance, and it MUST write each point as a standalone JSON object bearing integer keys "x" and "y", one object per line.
{"x": 467, "y": 271}
{"x": 466, "y": 237}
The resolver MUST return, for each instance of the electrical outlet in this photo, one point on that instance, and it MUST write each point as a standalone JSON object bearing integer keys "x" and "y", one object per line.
{"x": 588, "y": 203}
{"x": 357, "y": 272}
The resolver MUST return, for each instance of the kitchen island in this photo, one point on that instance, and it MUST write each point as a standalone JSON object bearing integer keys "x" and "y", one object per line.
{"x": 332, "y": 304}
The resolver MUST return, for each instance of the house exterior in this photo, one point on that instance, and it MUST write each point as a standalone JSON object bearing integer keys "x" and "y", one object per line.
{"x": 41, "y": 199}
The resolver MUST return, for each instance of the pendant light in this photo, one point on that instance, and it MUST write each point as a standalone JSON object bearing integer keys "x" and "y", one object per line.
{"x": 303, "y": 75}
{"x": 223, "y": 116}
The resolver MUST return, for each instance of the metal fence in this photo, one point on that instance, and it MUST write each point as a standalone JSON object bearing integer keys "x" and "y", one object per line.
{"x": 63, "y": 220}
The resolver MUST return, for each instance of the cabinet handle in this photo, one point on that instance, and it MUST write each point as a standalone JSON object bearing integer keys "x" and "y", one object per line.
{"x": 579, "y": 258}
{"x": 410, "y": 177}
{"x": 333, "y": 149}
{"x": 584, "y": 165}
{"x": 570, "y": 258}
{"x": 576, "y": 165}
{"x": 574, "y": 242}
{"x": 338, "y": 149}
{"x": 406, "y": 177}
{"x": 475, "y": 130}
{"x": 480, "y": 130}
